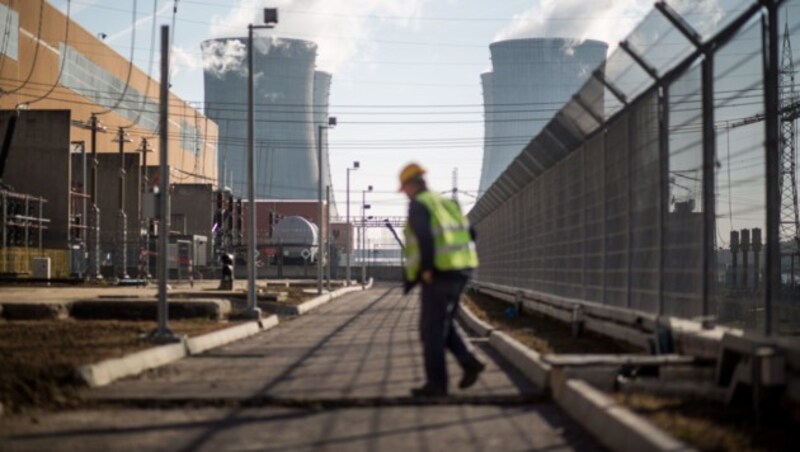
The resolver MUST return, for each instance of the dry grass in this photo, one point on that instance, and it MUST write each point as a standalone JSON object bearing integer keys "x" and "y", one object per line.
{"x": 710, "y": 426}
{"x": 540, "y": 333}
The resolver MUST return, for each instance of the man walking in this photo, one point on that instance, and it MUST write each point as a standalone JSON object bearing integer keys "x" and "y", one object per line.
{"x": 440, "y": 255}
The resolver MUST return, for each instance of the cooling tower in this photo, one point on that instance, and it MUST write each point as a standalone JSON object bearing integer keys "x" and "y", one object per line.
{"x": 531, "y": 80}
{"x": 285, "y": 128}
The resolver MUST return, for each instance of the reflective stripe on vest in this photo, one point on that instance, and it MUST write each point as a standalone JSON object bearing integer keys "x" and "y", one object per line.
{"x": 453, "y": 246}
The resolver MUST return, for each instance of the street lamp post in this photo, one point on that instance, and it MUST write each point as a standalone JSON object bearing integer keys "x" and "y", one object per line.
{"x": 270, "y": 20}
{"x": 364, "y": 207}
{"x": 321, "y": 248}
{"x": 349, "y": 243}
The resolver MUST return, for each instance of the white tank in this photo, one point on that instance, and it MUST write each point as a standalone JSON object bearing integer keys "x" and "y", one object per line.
{"x": 301, "y": 236}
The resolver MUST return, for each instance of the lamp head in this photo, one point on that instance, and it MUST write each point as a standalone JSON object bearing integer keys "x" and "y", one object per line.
{"x": 271, "y": 16}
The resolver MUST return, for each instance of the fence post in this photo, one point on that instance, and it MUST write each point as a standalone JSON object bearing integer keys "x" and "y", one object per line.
{"x": 771, "y": 104}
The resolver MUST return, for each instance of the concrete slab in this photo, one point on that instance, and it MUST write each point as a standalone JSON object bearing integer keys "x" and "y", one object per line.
{"x": 366, "y": 347}
{"x": 541, "y": 427}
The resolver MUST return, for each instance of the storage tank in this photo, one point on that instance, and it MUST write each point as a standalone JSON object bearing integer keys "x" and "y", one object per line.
{"x": 285, "y": 131}
{"x": 301, "y": 236}
{"x": 531, "y": 80}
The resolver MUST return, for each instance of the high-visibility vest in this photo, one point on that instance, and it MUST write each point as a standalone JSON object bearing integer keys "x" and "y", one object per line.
{"x": 453, "y": 245}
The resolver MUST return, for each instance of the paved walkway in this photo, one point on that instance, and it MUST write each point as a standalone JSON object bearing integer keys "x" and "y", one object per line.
{"x": 337, "y": 379}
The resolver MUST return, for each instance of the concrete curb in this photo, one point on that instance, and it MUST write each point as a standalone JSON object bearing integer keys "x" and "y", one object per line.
{"x": 314, "y": 303}
{"x": 200, "y": 344}
{"x": 110, "y": 370}
{"x": 107, "y": 371}
{"x": 612, "y": 424}
{"x": 526, "y": 360}
{"x": 473, "y": 323}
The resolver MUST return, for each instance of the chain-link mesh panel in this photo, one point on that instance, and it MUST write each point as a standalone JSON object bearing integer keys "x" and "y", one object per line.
{"x": 594, "y": 223}
{"x": 683, "y": 244}
{"x": 645, "y": 180}
{"x": 616, "y": 212}
{"x": 741, "y": 172}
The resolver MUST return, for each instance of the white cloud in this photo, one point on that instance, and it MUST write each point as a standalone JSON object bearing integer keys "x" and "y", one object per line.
{"x": 605, "y": 20}
{"x": 340, "y": 28}
{"x": 182, "y": 59}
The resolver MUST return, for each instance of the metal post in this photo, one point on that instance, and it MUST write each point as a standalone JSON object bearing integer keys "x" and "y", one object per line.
{"x": 162, "y": 333}
{"x": 122, "y": 217}
{"x": 709, "y": 195}
{"x": 252, "y": 308}
{"x": 321, "y": 240}
{"x": 772, "y": 267}
{"x": 349, "y": 242}
{"x": 363, "y": 236}
{"x": 94, "y": 216}
{"x": 328, "y": 248}
{"x": 144, "y": 223}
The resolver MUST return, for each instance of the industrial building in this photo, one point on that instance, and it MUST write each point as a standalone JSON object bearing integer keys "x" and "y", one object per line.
{"x": 291, "y": 109}
{"x": 54, "y": 77}
{"x": 531, "y": 79}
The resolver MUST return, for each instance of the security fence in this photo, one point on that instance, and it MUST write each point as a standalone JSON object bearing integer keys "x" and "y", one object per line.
{"x": 659, "y": 186}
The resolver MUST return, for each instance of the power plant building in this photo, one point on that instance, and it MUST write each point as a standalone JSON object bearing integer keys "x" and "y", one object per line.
{"x": 54, "y": 75}
{"x": 531, "y": 79}
{"x": 291, "y": 102}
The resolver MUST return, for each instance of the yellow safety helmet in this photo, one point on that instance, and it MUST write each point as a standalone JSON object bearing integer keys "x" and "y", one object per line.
{"x": 409, "y": 172}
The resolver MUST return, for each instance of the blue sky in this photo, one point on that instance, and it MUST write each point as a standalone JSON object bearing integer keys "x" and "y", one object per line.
{"x": 406, "y": 74}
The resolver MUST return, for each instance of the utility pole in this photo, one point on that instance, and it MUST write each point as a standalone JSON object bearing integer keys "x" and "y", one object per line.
{"x": 789, "y": 220}
{"x": 162, "y": 333}
{"x": 144, "y": 222}
{"x": 121, "y": 263}
{"x": 93, "y": 220}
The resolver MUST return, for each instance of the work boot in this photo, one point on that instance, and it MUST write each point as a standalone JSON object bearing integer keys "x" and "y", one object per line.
{"x": 428, "y": 391}
{"x": 471, "y": 375}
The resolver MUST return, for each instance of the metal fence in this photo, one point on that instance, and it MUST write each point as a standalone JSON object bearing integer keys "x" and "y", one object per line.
{"x": 657, "y": 187}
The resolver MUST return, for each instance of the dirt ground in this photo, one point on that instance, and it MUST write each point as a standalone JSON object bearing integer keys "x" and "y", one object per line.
{"x": 540, "y": 333}
{"x": 38, "y": 358}
{"x": 710, "y": 426}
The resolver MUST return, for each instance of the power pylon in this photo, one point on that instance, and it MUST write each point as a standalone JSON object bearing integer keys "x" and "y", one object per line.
{"x": 790, "y": 222}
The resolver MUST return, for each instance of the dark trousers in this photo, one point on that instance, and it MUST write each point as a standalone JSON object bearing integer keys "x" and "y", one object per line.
{"x": 438, "y": 330}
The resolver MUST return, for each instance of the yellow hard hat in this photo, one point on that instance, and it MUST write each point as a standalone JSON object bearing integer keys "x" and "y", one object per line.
{"x": 410, "y": 171}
